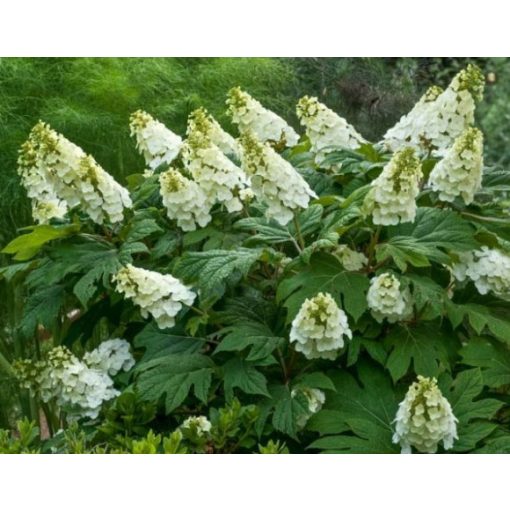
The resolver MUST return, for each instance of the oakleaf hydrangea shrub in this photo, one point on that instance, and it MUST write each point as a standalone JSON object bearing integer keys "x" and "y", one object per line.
{"x": 268, "y": 289}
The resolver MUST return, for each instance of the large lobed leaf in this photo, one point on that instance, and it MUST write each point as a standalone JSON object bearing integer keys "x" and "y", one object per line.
{"x": 210, "y": 270}
{"x": 424, "y": 346}
{"x": 26, "y": 246}
{"x": 171, "y": 377}
{"x": 325, "y": 273}
{"x": 256, "y": 336}
{"x": 472, "y": 411}
{"x": 364, "y": 409}
{"x": 433, "y": 233}
{"x": 492, "y": 358}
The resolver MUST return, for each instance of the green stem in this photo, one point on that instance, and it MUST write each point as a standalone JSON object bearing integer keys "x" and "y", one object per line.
{"x": 298, "y": 234}
{"x": 485, "y": 218}
{"x": 200, "y": 312}
{"x": 283, "y": 365}
{"x": 372, "y": 245}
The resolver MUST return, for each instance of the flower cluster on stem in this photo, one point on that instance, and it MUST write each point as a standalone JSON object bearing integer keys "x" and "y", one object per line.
{"x": 251, "y": 117}
{"x": 160, "y": 295}
{"x": 320, "y": 328}
{"x": 392, "y": 198}
{"x": 158, "y": 144}
{"x": 424, "y": 419}
{"x": 326, "y": 130}
{"x": 274, "y": 180}
{"x": 459, "y": 173}
{"x": 58, "y": 176}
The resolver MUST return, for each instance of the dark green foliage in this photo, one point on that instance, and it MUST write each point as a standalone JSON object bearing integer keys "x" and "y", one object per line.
{"x": 228, "y": 358}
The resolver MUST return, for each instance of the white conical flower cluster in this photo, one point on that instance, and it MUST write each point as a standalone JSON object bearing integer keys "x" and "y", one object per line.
{"x": 319, "y": 328}
{"x": 37, "y": 157}
{"x": 251, "y": 117}
{"x": 201, "y": 121}
{"x": 315, "y": 400}
{"x": 440, "y": 117}
{"x": 488, "y": 269}
{"x": 100, "y": 196}
{"x": 154, "y": 140}
{"x": 392, "y": 198}
{"x": 59, "y": 175}
{"x": 184, "y": 200}
{"x": 424, "y": 419}
{"x": 350, "y": 259}
{"x": 160, "y": 295}
{"x": 78, "y": 387}
{"x": 410, "y": 128}
{"x": 111, "y": 357}
{"x": 274, "y": 180}
{"x": 326, "y": 130}
{"x": 198, "y": 425}
{"x": 459, "y": 173}
{"x": 218, "y": 177}
{"x": 388, "y": 300}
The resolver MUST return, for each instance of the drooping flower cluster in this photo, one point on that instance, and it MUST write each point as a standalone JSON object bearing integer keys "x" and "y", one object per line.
{"x": 388, "y": 300}
{"x": 459, "y": 173}
{"x": 199, "y": 425}
{"x": 392, "y": 198}
{"x": 201, "y": 121}
{"x": 326, "y": 130}
{"x": 99, "y": 194}
{"x": 350, "y": 259}
{"x": 488, "y": 269}
{"x": 154, "y": 140}
{"x": 315, "y": 400}
{"x": 251, "y": 117}
{"x": 184, "y": 200}
{"x": 319, "y": 328}
{"x": 440, "y": 117}
{"x": 218, "y": 177}
{"x": 424, "y": 419}
{"x": 274, "y": 180}
{"x": 111, "y": 357}
{"x": 78, "y": 386}
{"x": 160, "y": 295}
{"x": 58, "y": 175}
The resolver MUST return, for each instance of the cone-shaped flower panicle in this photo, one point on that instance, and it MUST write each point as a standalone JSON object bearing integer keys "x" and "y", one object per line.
{"x": 158, "y": 144}
{"x": 425, "y": 419}
{"x": 320, "y": 327}
{"x": 387, "y": 299}
{"x": 184, "y": 200}
{"x": 326, "y": 130}
{"x": 251, "y": 116}
{"x": 78, "y": 387}
{"x": 488, "y": 269}
{"x": 201, "y": 121}
{"x": 392, "y": 198}
{"x": 459, "y": 173}
{"x": 218, "y": 177}
{"x": 274, "y": 180}
{"x": 440, "y": 117}
{"x": 160, "y": 295}
{"x": 59, "y": 175}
